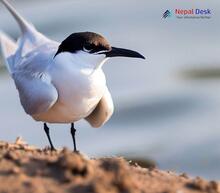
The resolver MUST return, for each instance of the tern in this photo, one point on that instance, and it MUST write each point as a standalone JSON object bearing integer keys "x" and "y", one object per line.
{"x": 60, "y": 82}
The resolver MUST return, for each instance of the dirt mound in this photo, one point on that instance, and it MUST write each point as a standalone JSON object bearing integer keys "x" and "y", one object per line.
{"x": 27, "y": 169}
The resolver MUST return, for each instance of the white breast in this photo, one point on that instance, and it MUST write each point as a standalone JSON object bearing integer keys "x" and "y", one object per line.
{"x": 79, "y": 87}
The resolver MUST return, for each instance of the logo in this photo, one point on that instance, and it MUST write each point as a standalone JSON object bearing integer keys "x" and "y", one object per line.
{"x": 166, "y": 14}
{"x": 193, "y": 12}
{"x": 188, "y": 13}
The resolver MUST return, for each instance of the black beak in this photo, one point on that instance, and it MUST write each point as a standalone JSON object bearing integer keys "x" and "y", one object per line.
{"x": 120, "y": 52}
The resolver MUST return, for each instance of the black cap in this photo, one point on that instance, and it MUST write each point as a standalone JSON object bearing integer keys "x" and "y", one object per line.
{"x": 95, "y": 44}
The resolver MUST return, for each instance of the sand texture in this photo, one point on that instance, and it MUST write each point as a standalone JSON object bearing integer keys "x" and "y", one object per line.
{"x": 24, "y": 168}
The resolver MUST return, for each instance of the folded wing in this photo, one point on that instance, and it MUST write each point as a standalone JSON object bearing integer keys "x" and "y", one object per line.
{"x": 37, "y": 94}
{"x": 33, "y": 81}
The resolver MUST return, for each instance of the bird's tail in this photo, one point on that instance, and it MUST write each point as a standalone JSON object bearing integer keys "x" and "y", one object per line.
{"x": 24, "y": 25}
{"x": 7, "y": 48}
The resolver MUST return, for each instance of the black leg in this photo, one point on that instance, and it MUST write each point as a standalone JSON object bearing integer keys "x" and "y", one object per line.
{"x": 73, "y": 132}
{"x": 47, "y": 131}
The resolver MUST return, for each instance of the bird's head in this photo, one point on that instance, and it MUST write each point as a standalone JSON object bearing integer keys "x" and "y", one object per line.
{"x": 93, "y": 48}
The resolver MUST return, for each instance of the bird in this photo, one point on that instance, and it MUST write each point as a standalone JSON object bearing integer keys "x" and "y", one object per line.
{"x": 60, "y": 82}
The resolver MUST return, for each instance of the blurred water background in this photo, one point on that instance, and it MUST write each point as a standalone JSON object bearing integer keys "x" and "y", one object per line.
{"x": 167, "y": 108}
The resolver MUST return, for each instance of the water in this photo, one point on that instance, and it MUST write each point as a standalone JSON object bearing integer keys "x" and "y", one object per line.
{"x": 159, "y": 113}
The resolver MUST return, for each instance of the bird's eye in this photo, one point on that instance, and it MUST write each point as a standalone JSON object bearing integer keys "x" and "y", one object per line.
{"x": 88, "y": 47}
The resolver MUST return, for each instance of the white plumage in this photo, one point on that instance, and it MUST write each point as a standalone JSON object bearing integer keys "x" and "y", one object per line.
{"x": 61, "y": 82}
{"x": 61, "y": 89}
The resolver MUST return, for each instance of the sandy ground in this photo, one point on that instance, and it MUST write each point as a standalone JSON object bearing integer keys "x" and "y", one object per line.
{"x": 24, "y": 168}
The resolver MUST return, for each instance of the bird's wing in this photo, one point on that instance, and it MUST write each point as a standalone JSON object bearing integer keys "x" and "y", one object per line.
{"x": 28, "y": 65}
{"x": 7, "y": 48}
{"x": 37, "y": 94}
{"x": 28, "y": 30}
{"x": 30, "y": 38}
{"x": 32, "y": 79}
{"x": 103, "y": 111}
{"x": 23, "y": 24}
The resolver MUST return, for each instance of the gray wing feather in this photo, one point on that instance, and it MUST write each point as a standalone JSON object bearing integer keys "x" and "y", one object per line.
{"x": 37, "y": 94}
{"x": 36, "y": 91}
{"x": 7, "y": 48}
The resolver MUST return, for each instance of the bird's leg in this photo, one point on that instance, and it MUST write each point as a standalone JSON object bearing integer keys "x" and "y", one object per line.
{"x": 73, "y": 132}
{"x": 47, "y": 131}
